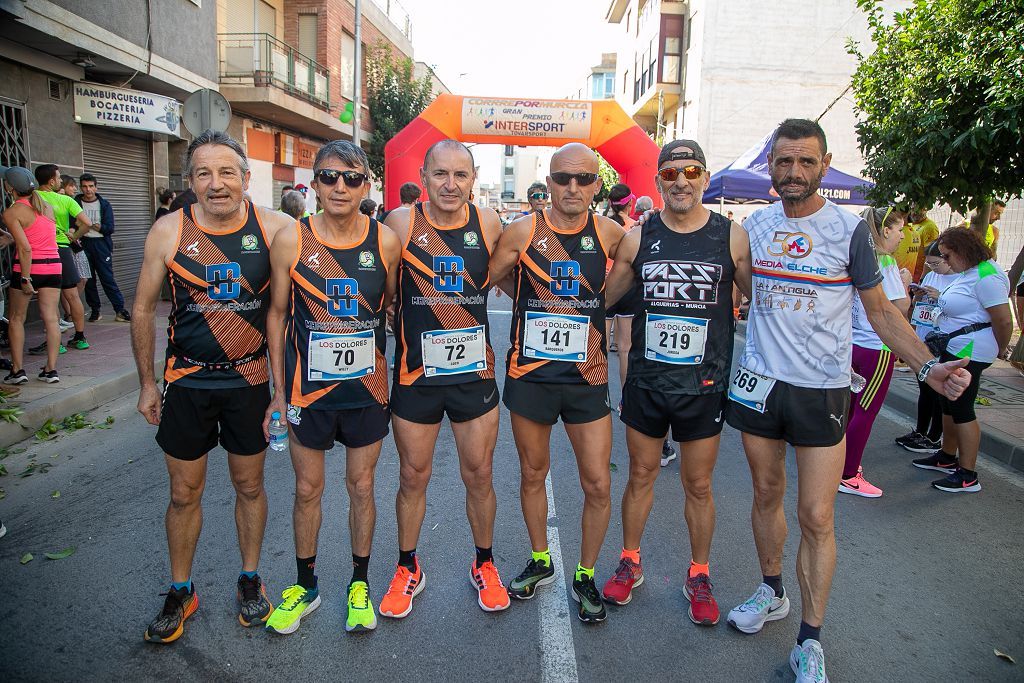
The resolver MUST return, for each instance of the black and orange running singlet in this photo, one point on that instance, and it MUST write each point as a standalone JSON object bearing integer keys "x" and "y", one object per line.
{"x": 220, "y": 292}
{"x": 441, "y": 334}
{"x": 334, "y": 348}
{"x": 557, "y": 330}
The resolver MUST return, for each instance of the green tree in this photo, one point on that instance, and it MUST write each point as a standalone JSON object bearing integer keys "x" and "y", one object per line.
{"x": 395, "y": 97}
{"x": 609, "y": 176}
{"x": 941, "y": 103}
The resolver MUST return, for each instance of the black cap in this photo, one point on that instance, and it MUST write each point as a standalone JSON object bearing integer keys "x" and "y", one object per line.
{"x": 21, "y": 179}
{"x": 681, "y": 149}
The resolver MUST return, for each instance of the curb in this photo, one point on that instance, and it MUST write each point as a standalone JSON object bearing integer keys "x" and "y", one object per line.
{"x": 995, "y": 443}
{"x": 88, "y": 396}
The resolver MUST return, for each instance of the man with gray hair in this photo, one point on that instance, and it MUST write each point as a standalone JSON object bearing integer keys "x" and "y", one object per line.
{"x": 643, "y": 204}
{"x": 293, "y": 204}
{"x": 216, "y": 254}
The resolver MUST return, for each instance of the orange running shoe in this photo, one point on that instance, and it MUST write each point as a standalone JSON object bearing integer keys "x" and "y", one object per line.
{"x": 405, "y": 586}
{"x": 491, "y": 593}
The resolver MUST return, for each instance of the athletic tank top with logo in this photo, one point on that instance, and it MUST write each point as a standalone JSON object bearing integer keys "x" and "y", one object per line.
{"x": 335, "y": 344}
{"x": 558, "y": 313}
{"x": 220, "y": 291}
{"x": 683, "y": 330}
{"x": 441, "y": 332}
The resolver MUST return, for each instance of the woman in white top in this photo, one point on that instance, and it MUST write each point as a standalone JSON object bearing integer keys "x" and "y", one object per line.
{"x": 975, "y": 312}
{"x": 927, "y": 435}
{"x": 871, "y": 358}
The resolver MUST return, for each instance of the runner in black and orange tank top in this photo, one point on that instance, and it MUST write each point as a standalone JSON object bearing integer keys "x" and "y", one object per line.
{"x": 444, "y": 364}
{"x": 217, "y": 258}
{"x": 553, "y": 266}
{"x": 333, "y": 275}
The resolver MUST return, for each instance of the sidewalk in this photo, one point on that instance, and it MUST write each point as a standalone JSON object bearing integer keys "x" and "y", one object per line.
{"x": 106, "y": 370}
{"x": 89, "y": 378}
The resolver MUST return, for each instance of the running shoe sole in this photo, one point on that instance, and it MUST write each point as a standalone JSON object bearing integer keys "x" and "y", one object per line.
{"x": 595, "y": 619}
{"x": 480, "y": 602}
{"x": 20, "y": 379}
{"x": 935, "y": 468}
{"x": 973, "y": 488}
{"x": 629, "y": 597}
{"x": 922, "y": 448}
{"x": 843, "y": 488}
{"x": 181, "y": 627}
{"x": 416, "y": 591}
{"x": 543, "y": 582}
{"x": 294, "y": 626}
{"x": 780, "y": 613}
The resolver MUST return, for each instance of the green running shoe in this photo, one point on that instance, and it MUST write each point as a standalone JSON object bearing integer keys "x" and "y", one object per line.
{"x": 296, "y": 602}
{"x": 591, "y": 608}
{"x": 79, "y": 344}
{"x": 361, "y": 616}
{"x": 524, "y": 586}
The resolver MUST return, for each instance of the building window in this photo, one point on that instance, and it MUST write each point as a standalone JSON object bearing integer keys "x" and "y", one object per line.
{"x": 307, "y": 35}
{"x": 348, "y": 63}
{"x": 671, "y": 49}
{"x": 509, "y": 150}
{"x": 509, "y": 185}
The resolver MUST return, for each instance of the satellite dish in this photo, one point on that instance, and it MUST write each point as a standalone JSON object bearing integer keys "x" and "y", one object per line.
{"x": 206, "y": 109}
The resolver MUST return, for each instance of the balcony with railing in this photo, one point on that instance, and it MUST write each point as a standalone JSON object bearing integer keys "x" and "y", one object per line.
{"x": 261, "y": 60}
{"x": 397, "y": 15}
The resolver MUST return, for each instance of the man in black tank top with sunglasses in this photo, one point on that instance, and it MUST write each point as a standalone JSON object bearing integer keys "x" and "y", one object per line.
{"x": 683, "y": 262}
{"x": 334, "y": 273}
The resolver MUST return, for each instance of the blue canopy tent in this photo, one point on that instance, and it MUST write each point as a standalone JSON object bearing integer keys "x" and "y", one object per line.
{"x": 747, "y": 180}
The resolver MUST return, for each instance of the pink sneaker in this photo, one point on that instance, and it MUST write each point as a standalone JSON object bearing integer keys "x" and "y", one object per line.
{"x": 859, "y": 486}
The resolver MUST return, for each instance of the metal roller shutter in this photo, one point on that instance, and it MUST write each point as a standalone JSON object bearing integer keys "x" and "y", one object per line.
{"x": 123, "y": 173}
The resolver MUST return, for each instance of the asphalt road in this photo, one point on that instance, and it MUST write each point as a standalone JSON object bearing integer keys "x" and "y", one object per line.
{"x": 927, "y": 585}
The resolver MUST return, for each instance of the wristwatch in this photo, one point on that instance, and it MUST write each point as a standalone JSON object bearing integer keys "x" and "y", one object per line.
{"x": 26, "y": 280}
{"x": 922, "y": 374}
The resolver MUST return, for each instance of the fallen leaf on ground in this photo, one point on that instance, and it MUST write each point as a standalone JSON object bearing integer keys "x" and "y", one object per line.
{"x": 1003, "y": 655}
{"x": 26, "y": 558}
{"x": 55, "y": 494}
{"x": 67, "y": 552}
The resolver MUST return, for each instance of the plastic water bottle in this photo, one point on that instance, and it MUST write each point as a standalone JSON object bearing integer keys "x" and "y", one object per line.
{"x": 278, "y": 432}
{"x": 857, "y": 382}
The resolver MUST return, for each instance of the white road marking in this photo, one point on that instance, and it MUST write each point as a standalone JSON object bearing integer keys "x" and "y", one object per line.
{"x": 558, "y": 654}
{"x": 986, "y": 463}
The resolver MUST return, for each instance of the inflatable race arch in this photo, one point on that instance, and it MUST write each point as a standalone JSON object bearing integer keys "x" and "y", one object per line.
{"x": 602, "y": 125}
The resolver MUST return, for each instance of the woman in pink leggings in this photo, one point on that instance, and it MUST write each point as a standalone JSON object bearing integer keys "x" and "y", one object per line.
{"x": 37, "y": 270}
{"x": 871, "y": 358}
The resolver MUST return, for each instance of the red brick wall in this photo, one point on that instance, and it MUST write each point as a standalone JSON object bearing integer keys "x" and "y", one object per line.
{"x": 334, "y": 16}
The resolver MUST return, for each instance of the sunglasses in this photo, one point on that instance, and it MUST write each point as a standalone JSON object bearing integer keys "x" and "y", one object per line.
{"x": 328, "y": 176}
{"x": 669, "y": 175}
{"x": 582, "y": 179}
{"x": 540, "y": 195}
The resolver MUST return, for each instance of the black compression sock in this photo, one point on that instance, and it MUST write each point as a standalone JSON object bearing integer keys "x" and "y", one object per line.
{"x": 306, "y": 567}
{"x": 808, "y": 631}
{"x": 407, "y": 559}
{"x": 360, "y": 567}
{"x": 483, "y": 555}
{"x": 775, "y": 582}
{"x": 78, "y": 335}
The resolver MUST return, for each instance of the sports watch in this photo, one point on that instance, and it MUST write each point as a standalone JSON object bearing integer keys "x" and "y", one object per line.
{"x": 922, "y": 374}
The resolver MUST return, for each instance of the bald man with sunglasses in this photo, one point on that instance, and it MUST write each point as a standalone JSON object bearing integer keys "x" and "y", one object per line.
{"x": 684, "y": 261}
{"x": 558, "y": 364}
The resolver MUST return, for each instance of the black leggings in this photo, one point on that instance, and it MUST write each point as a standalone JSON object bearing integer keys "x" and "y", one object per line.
{"x": 929, "y": 412}
{"x": 962, "y": 409}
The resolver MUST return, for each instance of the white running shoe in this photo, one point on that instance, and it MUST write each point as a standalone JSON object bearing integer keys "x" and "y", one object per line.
{"x": 808, "y": 662}
{"x": 64, "y": 325}
{"x": 760, "y": 607}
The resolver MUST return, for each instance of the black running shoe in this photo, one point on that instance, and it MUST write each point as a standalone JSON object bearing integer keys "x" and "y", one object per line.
{"x": 49, "y": 376}
{"x": 907, "y": 439}
{"x": 18, "y": 377}
{"x": 95, "y": 315}
{"x": 524, "y": 586}
{"x": 253, "y": 606}
{"x": 38, "y": 350}
{"x": 668, "y": 453}
{"x": 591, "y": 608}
{"x": 170, "y": 623}
{"x": 940, "y": 461}
{"x": 958, "y": 482}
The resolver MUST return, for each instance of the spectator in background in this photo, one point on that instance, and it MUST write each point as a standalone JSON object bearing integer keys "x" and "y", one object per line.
{"x": 643, "y": 205}
{"x": 381, "y": 212}
{"x": 68, "y": 185}
{"x": 729, "y": 215}
{"x": 927, "y": 231}
{"x": 537, "y": 195}
{"x": 100, "y": 248}
{"x": 620, "y": 204}
{"x": 975, "y": 316}
{"x": 367, "y": 207}
{"x": 284, "y": 192}
{"x": 183, "y": 200}
{"x": 293, "y": 204}
{"x": 909, "y": 252}
{"x": 992, "y": 233}
{"x": 164, "y": 198}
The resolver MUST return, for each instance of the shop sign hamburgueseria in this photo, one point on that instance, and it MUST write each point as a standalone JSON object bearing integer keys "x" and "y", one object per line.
{"x": 102, "y": 105}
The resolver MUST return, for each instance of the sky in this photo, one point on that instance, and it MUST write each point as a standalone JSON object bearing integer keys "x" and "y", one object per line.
{"x": 515, "y": 48}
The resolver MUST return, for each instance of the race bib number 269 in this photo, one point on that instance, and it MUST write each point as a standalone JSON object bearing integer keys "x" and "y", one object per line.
{"x": 750, "y": 389}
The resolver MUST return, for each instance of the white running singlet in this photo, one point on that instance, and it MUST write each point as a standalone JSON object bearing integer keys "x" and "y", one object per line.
{"x": 804, "y": 272}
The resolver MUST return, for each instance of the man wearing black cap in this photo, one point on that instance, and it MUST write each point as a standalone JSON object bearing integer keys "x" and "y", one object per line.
{"x": 684, "y": 261}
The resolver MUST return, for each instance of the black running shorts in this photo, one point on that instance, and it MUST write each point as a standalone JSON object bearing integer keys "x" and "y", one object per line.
{"x": 193, "y": 420}
{"x": 69, "y": 276}
{"x": 352, "y": 428}
{"x": 800, "y": 416}
{"x": 690, "y": 417}
{"x": 962, "y": 409}
{"x": 428, "y": 405}
{"x": 545, "y": 402}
